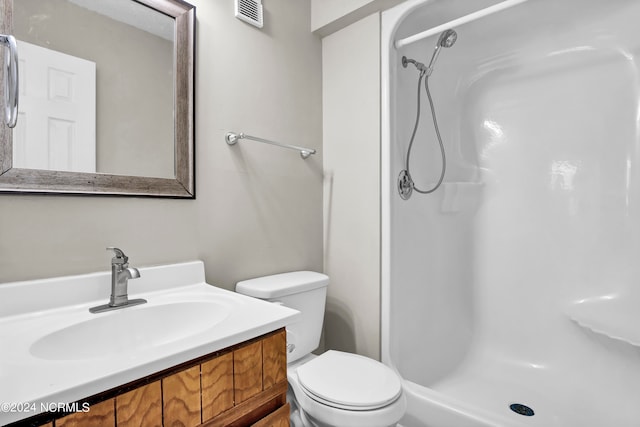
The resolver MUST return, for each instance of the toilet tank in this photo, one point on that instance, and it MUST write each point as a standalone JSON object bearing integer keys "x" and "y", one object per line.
{"x": 305, "y": 291}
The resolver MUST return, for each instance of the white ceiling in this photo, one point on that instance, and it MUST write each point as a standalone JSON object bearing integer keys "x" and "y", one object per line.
{"x": 132, "y": 13}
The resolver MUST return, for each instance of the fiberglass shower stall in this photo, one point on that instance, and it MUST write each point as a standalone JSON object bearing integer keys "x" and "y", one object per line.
{"x": 518, "y": 281}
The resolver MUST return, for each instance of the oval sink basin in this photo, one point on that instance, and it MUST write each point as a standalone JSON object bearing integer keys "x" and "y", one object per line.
{"x": 129, "y": 330}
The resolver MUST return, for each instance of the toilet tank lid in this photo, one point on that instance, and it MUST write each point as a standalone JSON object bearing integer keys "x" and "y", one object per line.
{"x": 279, "y": 285}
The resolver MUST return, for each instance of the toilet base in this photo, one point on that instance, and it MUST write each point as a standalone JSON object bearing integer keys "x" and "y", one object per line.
{"x": 296, "y": 415}
{"x": 300, "y": 419}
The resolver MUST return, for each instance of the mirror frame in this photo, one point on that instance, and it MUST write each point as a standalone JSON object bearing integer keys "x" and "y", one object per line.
{"x": 35, "y": 181}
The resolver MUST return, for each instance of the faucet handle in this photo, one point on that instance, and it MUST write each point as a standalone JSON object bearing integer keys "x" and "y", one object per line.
{"x": 120, "y": 257}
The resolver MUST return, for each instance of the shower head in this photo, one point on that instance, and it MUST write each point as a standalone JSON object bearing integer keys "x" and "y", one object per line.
{"x": 447, "y": 39}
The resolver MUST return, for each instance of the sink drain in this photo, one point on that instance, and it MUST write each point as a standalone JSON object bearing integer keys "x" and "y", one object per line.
{"x": 521, "y": 409}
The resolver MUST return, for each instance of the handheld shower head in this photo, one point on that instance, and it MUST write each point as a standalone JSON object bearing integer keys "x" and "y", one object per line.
{"x": 447, "y": 39}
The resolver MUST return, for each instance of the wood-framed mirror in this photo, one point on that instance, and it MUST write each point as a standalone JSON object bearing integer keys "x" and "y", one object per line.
{"x": 138, "y": 135}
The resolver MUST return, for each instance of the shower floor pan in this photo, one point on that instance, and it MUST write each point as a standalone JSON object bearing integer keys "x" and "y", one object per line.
{"x": 480, "y": 394}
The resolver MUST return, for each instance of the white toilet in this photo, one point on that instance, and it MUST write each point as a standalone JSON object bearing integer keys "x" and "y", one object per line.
{"x": 336, "y": 388}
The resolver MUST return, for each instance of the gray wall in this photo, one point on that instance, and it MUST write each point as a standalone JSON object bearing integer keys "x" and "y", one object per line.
{"x": 258, "y": 208}
{"x": 351, "y": 131}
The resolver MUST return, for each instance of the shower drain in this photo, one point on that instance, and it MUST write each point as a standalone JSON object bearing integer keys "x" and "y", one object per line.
{"x": 521, "y": 409}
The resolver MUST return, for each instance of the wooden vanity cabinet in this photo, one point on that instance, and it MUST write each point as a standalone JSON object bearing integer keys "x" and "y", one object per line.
{"x": 242, "y": 386}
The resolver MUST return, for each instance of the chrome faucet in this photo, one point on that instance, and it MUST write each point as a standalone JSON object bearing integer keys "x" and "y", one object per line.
{"x": 120, "y": 275}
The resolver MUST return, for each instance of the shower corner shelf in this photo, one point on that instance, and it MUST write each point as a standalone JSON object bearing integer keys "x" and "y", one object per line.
{"x": 613, "y": 316}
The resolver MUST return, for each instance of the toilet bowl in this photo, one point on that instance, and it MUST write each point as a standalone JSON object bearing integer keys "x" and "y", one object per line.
{"x": 347, "y": 390}
{"x": 335, "y": 388}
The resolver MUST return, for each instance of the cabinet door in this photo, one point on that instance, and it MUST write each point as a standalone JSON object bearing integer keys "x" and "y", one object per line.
{"x": 274, "y": 355}
{"x": 102, "y": 414}
{"x": 247, "y": 371}
{"x": 279, "y": 418}
{"x": 141, "y": 407}
{"x": 217, "y": 386}
{"x": 181, "y": 398}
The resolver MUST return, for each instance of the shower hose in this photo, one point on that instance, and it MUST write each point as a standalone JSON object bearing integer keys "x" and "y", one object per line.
{"x": 415, "y": 129}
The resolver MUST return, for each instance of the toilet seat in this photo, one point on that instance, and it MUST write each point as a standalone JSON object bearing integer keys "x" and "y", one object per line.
{"x": 349, "y": 381}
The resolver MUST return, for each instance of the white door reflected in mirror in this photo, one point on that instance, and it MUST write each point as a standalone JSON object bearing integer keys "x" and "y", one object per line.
{"x": 57, "y": 121}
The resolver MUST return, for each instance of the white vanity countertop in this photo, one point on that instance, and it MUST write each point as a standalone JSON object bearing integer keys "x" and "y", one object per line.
{"x": 53, "y": 350}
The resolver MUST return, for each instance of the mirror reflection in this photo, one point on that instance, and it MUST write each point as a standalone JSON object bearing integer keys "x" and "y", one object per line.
{"x": 96, "y": 88}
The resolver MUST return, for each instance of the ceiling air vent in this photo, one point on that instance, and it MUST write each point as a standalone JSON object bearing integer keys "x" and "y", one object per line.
{"x": 250, "y": 11}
